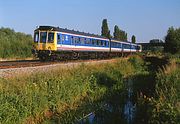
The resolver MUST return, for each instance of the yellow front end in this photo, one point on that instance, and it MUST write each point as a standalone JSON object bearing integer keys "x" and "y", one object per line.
{"x": 45, "y": 40}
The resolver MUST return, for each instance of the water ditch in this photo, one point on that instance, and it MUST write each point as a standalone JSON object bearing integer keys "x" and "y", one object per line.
{"x": 116, "y": 110}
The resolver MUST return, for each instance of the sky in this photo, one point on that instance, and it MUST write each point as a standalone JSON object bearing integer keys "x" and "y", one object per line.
{"x": 146, "y": 19}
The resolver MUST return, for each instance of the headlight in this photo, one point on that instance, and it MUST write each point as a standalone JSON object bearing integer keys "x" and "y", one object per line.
{"x": 49, "y": 48}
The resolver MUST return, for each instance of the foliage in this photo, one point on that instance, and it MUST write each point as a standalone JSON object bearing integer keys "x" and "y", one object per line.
{"x": 133, "y": 39}
{"x": 158, "y": 95}
{"x": 65, "y": 95}
{"x": 166, "y": 107}
{"x": 14, "y": 44}
{"x": 119, "y": 34}
{"x": 137, "y": 62}
{"x": 105, "y": 29}
{"x": 172, "y": 40}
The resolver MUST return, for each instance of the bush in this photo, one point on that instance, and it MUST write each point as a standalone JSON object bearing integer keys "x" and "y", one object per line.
{"x": 162, "y": 106}
{"x": 172, "y": 40}
{"x": 137, "y": 62}
{"x": 166, "y": 107}
{"x": 14, "y": 44}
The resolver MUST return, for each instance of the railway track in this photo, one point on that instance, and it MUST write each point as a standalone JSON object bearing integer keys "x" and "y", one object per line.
{"x": 34, "y": 63}
{"x": 23, "y": 63}
{"x": 9, "y": 69}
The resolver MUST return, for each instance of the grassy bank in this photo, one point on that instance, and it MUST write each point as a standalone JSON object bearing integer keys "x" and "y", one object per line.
{"x": 67, "y": 95}
{"x": 62, "y": 95}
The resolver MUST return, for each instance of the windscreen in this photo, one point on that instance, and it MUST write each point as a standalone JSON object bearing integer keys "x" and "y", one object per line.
{"x": 43, "y": 36}
{"x": 50, "y": 37}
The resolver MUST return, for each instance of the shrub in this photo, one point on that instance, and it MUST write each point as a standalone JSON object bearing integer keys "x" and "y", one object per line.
{"x": 14, "y": 44}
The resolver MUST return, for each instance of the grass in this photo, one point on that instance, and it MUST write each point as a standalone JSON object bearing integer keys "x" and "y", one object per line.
{"x": 62, "y": 95}
{"x": 67, "y": 95}
{"x": 166, "y": 106}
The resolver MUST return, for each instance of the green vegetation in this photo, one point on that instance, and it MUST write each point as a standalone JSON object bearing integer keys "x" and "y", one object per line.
{"x": 133, "y": 39}
{"x": 172, "y": 40}
{"x": 63, "y": 95}
{"x": 158, "y": 92}
{"x": 105, "y": 29}
{"x": 165, "y": 106}
{"x": 14, "y": 44}
{"x": 119, "y": 34}
{"x": 67, "y": 95}
{"x": 116, "y": 32}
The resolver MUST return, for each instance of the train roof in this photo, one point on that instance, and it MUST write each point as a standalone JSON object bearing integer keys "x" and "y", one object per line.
{"x": 52, "y": 28}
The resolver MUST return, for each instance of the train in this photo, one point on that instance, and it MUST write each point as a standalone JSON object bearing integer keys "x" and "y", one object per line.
{"x": 52, "y": 43}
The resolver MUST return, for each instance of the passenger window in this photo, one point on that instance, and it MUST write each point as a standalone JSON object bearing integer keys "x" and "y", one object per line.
{"x": 104, "y": 43}
{"x": 63, "y": 38}
{"x": 82, "y": 40}
{"x": 77, "y": 40}
{"x": 93, "y": 42}
{"x": 72, "y": 40}
{"x": 96, "y": 42}
{"x": 101, "y": 43}
{"x": 87, "y": 41}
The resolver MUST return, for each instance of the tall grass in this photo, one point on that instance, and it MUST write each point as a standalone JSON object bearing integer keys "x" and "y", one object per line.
{"x": 159, "y": 95}
{"x": 166, "y": 106}
{"x": 60, "y": 94}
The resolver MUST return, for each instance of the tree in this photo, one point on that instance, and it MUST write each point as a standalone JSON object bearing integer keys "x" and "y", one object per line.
{"x": 117, "y": 33}
{"x": 104, "y": 29}
{"x": 123, "y": 35}
{"x": 133, "y": 39}
{"x": 172, "y": 40}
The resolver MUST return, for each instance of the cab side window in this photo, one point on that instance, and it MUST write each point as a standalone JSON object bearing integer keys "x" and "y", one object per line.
{"x": 36, "y": 37}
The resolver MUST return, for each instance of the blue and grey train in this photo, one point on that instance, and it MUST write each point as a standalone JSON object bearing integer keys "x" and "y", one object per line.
{"x": 58, "y": 43}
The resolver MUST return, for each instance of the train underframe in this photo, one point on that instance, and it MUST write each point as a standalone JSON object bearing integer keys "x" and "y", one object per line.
{"x": 70, "y": 55}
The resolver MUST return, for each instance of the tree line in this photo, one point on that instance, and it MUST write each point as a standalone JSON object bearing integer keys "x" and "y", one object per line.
{"x": 118, "y": 33}
{"x": 172, "y": 41}
{"x": 14, "y": 44}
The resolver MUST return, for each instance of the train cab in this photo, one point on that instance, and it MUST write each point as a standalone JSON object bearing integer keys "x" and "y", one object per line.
{"x": 45, "y": 41}
{"x": 45, "y": 38}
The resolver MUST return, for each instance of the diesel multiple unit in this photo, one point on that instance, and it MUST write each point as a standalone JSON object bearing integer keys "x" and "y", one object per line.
{"x": 54, "y": 42}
